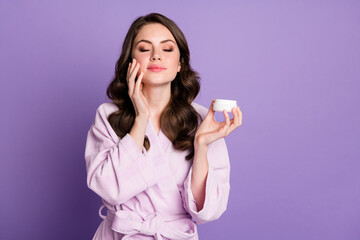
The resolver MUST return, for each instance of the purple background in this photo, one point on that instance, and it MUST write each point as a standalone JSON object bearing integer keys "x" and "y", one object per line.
{"x": 293, "y": 67}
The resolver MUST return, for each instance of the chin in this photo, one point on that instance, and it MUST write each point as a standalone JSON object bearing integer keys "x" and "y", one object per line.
{"x": 153, "y": 79}
{"x": 155, "y": 82}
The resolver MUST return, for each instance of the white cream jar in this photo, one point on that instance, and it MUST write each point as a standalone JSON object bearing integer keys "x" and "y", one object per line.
{"x": 222, "y": 104}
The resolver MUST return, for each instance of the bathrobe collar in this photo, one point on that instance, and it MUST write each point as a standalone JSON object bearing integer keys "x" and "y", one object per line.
{"x": 160, "y": 141}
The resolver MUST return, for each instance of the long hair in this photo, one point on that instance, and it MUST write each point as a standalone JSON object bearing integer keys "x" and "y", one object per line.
{"x": 179, "y": 120}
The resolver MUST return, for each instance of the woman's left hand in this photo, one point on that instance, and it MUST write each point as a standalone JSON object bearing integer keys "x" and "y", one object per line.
{"x": 210, "y": 130}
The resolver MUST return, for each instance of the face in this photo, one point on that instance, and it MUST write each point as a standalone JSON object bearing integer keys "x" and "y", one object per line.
{"x": 155, "y": 47}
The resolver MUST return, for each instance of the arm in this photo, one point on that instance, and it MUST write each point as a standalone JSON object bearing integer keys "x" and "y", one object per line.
{"x": 207, "y": 186}
{"x": 142, "y": 111}
{"x": 199, "y": 174}
{"x": 117, "y": 170}
{"x": 209, "y": 201}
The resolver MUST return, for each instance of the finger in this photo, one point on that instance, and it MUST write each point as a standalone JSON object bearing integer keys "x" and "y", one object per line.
{"x": 133, "y": 74}
{"x": 136, "y": 68}
{"x": 138, "y": 82}
{"x": 141, "y": 85}
{"x": 223, "y": 132}
{"x": 227, "y": 118}
{"x": 128, "y": 70}
{"x": 233, "y": 122}
{"x": 225, "y": 128}
{"x": 133, "y": 65}
{"x": 236, "y": 115}
{"x": 211, "y": 111}
{"x": 237, "y": 119}
{"x": 131, "y": 80}
{"x": 240, "y": 115}
{"x": 232, "y": 127}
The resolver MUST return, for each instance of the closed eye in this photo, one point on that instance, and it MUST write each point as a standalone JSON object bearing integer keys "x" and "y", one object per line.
{"x": 146, "y": 50}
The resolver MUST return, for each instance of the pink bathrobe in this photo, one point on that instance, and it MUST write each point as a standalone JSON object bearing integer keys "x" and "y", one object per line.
{"x": 147, "y": 193}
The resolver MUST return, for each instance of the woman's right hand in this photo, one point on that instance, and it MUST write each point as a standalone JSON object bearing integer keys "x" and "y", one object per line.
{"x": 135, "y": 90}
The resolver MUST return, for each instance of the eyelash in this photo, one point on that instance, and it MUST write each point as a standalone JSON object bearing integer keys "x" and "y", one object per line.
{"x": 166, "y": 50}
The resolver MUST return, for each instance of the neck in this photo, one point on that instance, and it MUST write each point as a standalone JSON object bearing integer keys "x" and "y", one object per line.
{"x": 157, "y": 97}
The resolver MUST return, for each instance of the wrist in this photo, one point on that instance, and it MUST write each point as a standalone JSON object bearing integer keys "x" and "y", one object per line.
{"x": 200, "y": 143}
{"x": 139, "y": 126}
{"x": 141, "y": 118}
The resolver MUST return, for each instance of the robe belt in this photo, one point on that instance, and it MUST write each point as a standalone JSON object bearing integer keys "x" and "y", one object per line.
{"x": 173, "y": 227}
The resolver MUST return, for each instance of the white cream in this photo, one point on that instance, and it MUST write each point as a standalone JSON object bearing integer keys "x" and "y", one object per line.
{"x": 222, "y": 104}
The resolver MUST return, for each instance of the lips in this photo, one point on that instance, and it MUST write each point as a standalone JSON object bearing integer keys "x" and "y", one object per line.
{"x": 156, "y": 68}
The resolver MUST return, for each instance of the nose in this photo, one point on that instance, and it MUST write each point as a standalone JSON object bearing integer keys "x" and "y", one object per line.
{"x": 155, "y": 56}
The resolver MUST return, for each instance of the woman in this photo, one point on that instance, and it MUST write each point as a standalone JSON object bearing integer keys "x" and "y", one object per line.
{"x": 158, "y": 167}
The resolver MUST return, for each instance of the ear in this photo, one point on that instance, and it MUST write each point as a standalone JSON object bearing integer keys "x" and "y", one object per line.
{"x": 179, "y": 67}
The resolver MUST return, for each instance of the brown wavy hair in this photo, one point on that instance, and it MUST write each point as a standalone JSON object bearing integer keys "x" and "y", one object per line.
{"x": 179, "y": 120}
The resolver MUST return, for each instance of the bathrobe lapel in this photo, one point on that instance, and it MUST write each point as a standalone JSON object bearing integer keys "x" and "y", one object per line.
{"x": 160, "y": 154}
{"x": 160, "y": 141}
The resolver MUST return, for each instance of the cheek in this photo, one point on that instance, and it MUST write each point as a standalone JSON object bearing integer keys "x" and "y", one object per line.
{"x": 175, "y": 62}
{"x": 173, "y": 58}
{"x": 142, "y": 59}
{"x": 139, "y": 57}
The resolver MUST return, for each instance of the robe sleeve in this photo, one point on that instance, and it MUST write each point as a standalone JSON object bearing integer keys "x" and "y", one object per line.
{"x": 116, "y": 168}
{"x": 217, "y": 185}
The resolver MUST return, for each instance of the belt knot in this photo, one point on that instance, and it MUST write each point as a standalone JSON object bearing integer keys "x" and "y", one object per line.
{"x": 130, "y": 223}
{"x": 151, "y": 224}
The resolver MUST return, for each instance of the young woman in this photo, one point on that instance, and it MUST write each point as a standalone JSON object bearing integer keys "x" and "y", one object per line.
{"x": 157, "y": 159}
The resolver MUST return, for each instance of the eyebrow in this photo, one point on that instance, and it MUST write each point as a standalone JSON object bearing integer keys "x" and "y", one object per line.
{"x": 147, "y": 41}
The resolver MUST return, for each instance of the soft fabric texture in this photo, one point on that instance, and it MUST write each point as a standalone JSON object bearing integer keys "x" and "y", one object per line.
{"x": 147, "y": 193}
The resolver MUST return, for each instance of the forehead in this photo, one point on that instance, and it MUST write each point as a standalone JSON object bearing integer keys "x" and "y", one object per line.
{"x": 154, "y": 32}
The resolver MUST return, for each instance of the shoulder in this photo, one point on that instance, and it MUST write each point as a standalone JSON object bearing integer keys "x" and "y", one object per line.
{"x": 101, "y": 127}
{"x": 200, "y": 109}
{"x": 105, "y": 109}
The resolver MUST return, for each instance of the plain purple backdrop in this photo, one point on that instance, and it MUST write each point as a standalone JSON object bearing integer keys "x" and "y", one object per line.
{"x": 293, "y": 67}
